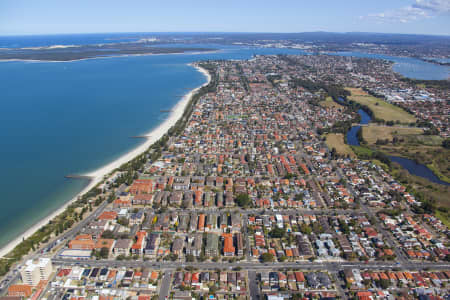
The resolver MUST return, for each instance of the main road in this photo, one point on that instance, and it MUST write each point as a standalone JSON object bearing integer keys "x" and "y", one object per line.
{"x": 304, "y": 265}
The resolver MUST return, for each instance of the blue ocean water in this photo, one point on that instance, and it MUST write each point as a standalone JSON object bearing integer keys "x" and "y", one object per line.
{"x": 74, "y": 117}
{"x": 62, "y": 118}
{"x": 56, "y": 39}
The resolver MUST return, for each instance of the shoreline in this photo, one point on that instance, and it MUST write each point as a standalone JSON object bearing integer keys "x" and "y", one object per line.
{"x": 98, "y": 175}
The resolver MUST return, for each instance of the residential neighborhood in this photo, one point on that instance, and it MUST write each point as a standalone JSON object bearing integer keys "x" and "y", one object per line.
{"x": 248, "y": 201}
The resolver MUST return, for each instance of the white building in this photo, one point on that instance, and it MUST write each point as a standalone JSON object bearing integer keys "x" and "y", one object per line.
{"x": 36, "y": 270}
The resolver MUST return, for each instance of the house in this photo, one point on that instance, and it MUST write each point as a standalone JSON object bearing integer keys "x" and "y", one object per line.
{"x": 300, "y": 278}
{"x": 108, "y": 215}
{"x": 183, "y": 224}
{"x": 195, "y": 246}
{"x": 19, "y": 290}
{"x": 138, "y": 246}
{"x": 240, "y": 244}
{"x": 152, "y": 244}
{"x": 312, "y": 281}
{"x": 212, "y": 244}
{"x": 137, "y": 218}
{"x": 176, "y": 198}
{"x": 122, "y": 247}
{"x": 219, "y": 199}
{"x": 228, "y": 248}
{"x": 236, "y": 222}
{"x": 229, "y": 200}
{"x": 181, "y": 183}
{"x": 82, "y": 242}
{"x": 120, "y": 203}
{"x": 141, "y": 186}
{"x": 177, "y": 246}
{"x": 143, "y": 199}
{"x": 201, "y": 222}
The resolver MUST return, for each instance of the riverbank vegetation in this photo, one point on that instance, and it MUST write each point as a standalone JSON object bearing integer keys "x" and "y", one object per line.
{"x": 410, "y": 143}
{"x": 366, "y": 153}
{"x": 381, "y": 110}
{"x": 434, "y": 197}
{"x": 332, "y": 90}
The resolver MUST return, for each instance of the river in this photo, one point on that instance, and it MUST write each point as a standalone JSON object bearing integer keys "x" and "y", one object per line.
{"x": 407, "y": 66}
{"x": 410, "y": 165}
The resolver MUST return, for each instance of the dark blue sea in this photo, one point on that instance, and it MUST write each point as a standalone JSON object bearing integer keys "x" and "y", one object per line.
{"x": 74, "y": 117}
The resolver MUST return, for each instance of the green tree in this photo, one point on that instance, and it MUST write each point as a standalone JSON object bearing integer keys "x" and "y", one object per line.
{"x": 384, "y": 283}
{"x": 243, "y": 200}
{"x": 104, "y": 252}
{"x": 267, "y": 257}
{"x": 277, "y": 232}
{"x": 189, "y": 258}
{"x": 123, "y": 221}
{"x": 446, "y": 143}
{"x": 305, "y": 229}
{"x": 108, "y": 234}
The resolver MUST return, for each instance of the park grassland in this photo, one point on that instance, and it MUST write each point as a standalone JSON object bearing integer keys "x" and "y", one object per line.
{"x": 372, "y": 133}
{"x": 336, "y": 140}
{"x": 411, "y": 143}
{"x": 330, "y": 103}
{"x": 380, "y": 108}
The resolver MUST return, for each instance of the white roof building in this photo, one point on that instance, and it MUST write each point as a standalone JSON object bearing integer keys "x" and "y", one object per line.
{"x": 36, "y": 270}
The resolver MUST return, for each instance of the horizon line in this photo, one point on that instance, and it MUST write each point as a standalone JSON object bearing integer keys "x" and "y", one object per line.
{"x": 221, "y": 32}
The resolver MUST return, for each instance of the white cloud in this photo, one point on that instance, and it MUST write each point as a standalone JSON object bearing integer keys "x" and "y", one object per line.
{"x": 419, "y": 10}
{"x": 435, "y": 6}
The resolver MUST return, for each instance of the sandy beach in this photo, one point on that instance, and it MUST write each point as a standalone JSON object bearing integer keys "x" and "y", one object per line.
{"x": 100, "y": 174}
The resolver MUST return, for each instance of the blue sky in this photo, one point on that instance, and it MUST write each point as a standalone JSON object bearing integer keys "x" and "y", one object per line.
{"x": 89, "y": 16}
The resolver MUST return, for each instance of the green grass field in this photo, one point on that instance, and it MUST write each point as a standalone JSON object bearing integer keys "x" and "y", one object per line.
{"x": 372, "y": 133}
{"x": 380, "y": 108}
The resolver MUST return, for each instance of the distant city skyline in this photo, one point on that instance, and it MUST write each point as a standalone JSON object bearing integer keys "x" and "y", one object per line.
{"x": 18, "y": 17}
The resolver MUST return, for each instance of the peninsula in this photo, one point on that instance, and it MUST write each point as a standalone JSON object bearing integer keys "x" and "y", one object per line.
{"x": 78, "y": 52}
